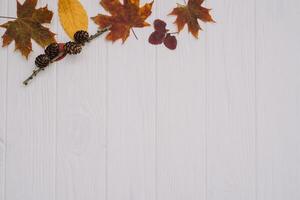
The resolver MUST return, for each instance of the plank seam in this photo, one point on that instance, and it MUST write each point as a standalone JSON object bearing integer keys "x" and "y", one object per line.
{"x": 56, "y": 127}
{"x": 106, "y": 121}
{"x": 255, "y": 102}
{"x": 156, "y": 119}
{"x": 5, "y": 129}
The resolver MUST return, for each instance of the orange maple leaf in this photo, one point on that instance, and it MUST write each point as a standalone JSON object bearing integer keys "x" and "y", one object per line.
{"x": 123, "y": 17}
{"x": 28, "y": 25}
{"x": 189, "y": 14}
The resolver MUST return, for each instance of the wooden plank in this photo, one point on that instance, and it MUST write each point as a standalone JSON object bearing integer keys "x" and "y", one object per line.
{"x": 181, "y": 114}
{"x": 278, "y": 94}
{"x": 3, "y": 92}
{"x": 81, "y": 119}
{"x": 231, "y": 101}
{"x": 30, "y": 158}
{"x": 131, "y": 118}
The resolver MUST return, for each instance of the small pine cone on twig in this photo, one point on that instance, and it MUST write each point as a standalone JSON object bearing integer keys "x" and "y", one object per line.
{"x": 81, "y": 37}
{"x": 52, "y": 51}
{"x": 42, "y": 61}
{"x": 72, "y": 48}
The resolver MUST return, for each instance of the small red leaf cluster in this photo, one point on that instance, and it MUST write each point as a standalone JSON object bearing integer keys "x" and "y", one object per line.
{"x": 162, "y": 35}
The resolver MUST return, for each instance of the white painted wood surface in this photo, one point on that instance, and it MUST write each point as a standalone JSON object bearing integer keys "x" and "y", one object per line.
{"x": 216, "y": 119}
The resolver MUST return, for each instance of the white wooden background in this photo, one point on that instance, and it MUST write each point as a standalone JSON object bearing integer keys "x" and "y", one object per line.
{"x": 217, "y": 119}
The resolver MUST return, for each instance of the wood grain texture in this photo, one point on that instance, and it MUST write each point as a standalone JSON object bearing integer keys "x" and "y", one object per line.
{"x": 230, "y": 116}
{"x": 81, "y": 120}
{"x": 181, "y": 113}
{"x": 3, "y": 92}
{"x": 278, "y": 95}
{"x": 131, "y": 118}
{"x": 30, "y": 158}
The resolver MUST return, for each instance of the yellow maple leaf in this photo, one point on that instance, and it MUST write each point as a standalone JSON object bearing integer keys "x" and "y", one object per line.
{"x": 73, "y": 16}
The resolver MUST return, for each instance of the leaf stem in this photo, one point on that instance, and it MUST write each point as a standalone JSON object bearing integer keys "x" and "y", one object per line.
{"x": 4, "y": 17}
{"x": 134, "y": 34}
{"x": 174, "y": 33}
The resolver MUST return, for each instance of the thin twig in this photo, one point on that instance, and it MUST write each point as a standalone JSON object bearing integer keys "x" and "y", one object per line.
{"x": 99, "y": 32}
{"x": 4, "y": 17}
{"x": 134, "y": 34}
{"x": 63, "y": 54}
{"x": 34, "y": 73}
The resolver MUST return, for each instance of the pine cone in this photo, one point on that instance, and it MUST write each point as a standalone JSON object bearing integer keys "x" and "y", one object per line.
{"x": 72, "y": 48}
{"x": 42, "y": 61}
{"x": 52, "y": 51}
{"x": 81, "y": 37}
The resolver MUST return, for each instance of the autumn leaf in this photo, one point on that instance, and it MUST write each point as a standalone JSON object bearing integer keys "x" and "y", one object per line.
{"x": 73, "y": 16}
{"x": 28, "y": 25}
{"x": 123, "y": 17}
{"x": 189, "y": 14}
